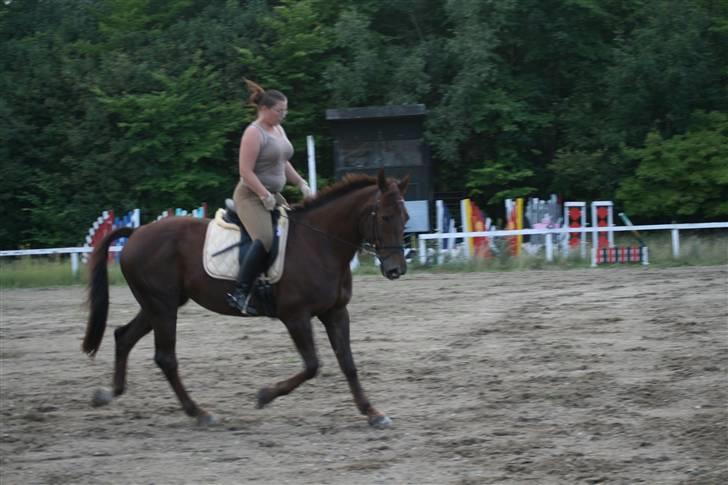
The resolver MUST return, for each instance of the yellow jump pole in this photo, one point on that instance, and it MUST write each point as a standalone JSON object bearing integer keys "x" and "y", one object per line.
{"x": 469, "y": 225}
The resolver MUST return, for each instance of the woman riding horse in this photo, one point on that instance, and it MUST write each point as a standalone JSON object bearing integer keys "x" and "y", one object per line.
{"x": 264, "y": 169}
{"x": 162, "y": 263}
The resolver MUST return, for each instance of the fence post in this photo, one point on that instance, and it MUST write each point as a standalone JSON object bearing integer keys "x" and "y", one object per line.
{"x": 675, "y": 243}
{"x": 311, "y": 147}
{"x": 74, "y": 263}
{"x": 439, "y": 212}
{"x": 549, "y": 247}
{"x": 422, "y": 250}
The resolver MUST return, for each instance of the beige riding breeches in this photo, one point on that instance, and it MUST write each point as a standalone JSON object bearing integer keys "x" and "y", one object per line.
{"x": 253, "y": 215}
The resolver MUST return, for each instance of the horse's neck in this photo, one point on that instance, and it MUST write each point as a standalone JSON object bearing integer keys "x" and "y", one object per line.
{"x": 341, "y": 219}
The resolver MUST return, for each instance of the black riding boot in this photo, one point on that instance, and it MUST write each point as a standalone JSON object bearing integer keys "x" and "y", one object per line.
{"x": 250, "y": 267}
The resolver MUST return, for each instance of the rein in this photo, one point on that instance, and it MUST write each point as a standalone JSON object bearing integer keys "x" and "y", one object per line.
{"x": 364, "y": 246}
{"x": 367, "y": 246}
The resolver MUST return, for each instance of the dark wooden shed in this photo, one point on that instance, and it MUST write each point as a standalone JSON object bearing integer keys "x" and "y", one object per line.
{"x": 390, "y": 137}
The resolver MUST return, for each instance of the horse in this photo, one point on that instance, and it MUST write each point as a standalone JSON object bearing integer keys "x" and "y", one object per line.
{"x": 162, "y": 263}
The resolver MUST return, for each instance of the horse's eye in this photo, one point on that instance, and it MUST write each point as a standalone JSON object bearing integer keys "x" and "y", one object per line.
{"x": 386, "y": 218}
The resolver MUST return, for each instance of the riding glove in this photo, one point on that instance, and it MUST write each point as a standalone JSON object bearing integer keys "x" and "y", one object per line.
{"x": 269, "y": 201}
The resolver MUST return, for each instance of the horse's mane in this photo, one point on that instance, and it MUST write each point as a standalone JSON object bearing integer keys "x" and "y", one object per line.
{"x": 350, "y": 183}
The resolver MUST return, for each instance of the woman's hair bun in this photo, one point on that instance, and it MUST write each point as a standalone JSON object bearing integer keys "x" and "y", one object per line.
{"x": 260, "y": 97}
{"x": 256, "y": 92}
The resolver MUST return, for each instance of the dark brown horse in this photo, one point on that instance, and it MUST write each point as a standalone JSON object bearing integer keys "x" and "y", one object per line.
{"x": 162, "y": 264}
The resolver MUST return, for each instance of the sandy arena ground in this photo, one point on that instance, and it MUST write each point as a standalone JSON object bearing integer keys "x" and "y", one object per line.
{"x": 580, "y": 376}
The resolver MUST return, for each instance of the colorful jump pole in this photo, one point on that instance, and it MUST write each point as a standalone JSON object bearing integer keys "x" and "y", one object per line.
{"x": 575, "y": 218}
{"x": 514, "y": 220}
{"x": 602, "y": 217}
{"x": 466, "y": 219}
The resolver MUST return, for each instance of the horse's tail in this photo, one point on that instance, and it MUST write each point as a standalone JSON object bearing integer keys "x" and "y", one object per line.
{"x": 98, "y": 291}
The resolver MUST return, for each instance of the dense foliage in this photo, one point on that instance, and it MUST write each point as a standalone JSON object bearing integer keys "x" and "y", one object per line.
{"x": 140, "y": 103}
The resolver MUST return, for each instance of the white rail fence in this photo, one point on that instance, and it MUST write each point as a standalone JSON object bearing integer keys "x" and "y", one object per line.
{"x": 423, "y": 238}
{"x": 584, "y": 231}
{"x": 74, "y": 252}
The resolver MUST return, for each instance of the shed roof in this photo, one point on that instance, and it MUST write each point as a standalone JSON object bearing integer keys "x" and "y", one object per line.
{"x": 398, "y": 111}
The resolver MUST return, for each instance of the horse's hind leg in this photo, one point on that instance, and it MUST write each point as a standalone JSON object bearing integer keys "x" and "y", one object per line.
{"x": 300, "y": 330}
{"x": 165, "y": 334}
{"x": 336, "y": 322}
{"x": 126, "y": 337}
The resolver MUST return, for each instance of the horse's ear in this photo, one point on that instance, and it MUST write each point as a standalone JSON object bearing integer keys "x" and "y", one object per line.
{"x": 403, "y": 184}
{"x": 382, "y": 181}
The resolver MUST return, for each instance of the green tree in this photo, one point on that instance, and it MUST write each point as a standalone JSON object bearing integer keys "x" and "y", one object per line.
{"x": 496, "y": 182}
{"x": 663, "y": 70}
{"x": 290, "y": 55}
{"x": 458, "y": 123}
{"x": 381, "y": 54}
{"x": 586, "y": 174}
{"x": 140, "y": 103}
{"x": 173, "y": 135}
{"x": 683, "y": 177}
{"x": 41, "y": 99}
{"x": 526, "y": 74}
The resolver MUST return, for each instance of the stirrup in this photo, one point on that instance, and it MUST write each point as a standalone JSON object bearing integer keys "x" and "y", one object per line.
{"x": 241, "y": 302}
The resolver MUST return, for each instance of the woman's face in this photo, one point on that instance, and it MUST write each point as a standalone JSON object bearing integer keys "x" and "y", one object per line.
{"x": 276, "y": 113}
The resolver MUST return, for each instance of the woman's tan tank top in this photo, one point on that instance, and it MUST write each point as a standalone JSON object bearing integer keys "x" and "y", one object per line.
{"x": 270, "y": 166}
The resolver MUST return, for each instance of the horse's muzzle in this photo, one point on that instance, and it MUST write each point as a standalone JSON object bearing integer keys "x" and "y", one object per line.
{"x": 394, "y": 273}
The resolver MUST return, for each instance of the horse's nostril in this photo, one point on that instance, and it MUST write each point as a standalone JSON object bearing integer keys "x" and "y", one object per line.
{"x": 393, "y": 273}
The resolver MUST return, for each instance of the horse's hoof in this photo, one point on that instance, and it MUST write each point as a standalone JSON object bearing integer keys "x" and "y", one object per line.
{"x": 206, "y": 419}
{"x": 380, "y": 422}
{"x": 101, "y": 397}
{"x": 264, "y": 396}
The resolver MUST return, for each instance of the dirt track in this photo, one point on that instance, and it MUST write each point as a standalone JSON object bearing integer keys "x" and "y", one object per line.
{"x": 588, "y": 376}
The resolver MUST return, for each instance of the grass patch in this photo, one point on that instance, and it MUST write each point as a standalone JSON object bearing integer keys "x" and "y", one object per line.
{"x": 44, "y": 271}
{"x": 695, "y": 250}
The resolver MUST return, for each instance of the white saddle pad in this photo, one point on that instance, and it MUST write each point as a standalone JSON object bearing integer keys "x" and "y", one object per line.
{"x": 226, "y": 265}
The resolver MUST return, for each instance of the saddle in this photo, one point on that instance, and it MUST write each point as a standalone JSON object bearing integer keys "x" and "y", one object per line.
{"x": 227, "y": 242}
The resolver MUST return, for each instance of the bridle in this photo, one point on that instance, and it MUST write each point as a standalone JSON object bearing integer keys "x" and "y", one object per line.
{"x": 374, "y": 241}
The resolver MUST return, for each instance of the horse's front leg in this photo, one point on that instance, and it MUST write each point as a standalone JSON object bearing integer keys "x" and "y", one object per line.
{"x": 336, "y": 322}
{"x": 299, "y": 327}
